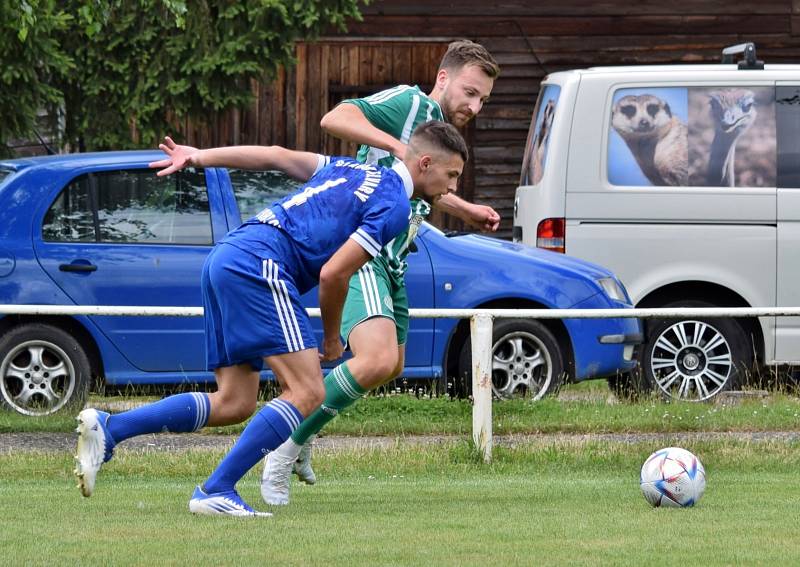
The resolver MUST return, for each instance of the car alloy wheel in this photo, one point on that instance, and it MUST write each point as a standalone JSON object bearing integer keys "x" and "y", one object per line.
{"x": 526, "y": 360}
{"x": 42, "y": 370}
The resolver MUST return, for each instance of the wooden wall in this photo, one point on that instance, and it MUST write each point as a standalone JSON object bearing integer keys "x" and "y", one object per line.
{"x": 401, "y": 41}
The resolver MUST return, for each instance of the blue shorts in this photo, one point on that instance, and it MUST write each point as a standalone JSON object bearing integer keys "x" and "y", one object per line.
{"x": 251, "y": 307}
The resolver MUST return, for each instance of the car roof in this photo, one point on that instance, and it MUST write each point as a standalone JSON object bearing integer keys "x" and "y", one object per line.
{"x": 123, "y": 158}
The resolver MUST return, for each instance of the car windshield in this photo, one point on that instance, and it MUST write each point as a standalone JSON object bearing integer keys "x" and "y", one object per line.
{"x": 3, "y": 174}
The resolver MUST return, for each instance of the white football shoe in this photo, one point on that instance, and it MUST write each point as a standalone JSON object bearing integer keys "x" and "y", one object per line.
{"x": 276, "y": 478}
{"x": 302, "y": 466}
{"x": 221, "y": 504}
{"x": 95, "y": 447}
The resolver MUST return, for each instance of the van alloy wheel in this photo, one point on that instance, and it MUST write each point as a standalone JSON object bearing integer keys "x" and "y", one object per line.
{"x": 695, "y": 359}
{"x": 691, "y": 360}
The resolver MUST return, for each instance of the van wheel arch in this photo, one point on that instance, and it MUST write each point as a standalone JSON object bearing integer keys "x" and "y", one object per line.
{"x": 713, "y": 294}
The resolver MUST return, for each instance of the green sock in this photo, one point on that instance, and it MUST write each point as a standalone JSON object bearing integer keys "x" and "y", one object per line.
{"x": 341, "y": 391}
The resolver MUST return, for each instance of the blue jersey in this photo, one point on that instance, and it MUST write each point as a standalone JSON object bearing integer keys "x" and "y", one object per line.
{"x": 344, "y": 199}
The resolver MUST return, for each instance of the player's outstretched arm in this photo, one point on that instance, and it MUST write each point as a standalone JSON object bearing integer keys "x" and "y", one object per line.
{"x": 300, "y": 165}
{"x": 482, "y": 217}
{"x": 347, "y": 121}
{"x": 334, "y": 279}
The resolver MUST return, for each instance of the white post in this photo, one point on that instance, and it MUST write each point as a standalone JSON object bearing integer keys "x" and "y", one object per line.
{"x": 481, "y": 334}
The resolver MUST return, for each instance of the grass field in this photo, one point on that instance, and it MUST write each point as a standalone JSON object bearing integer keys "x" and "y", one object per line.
{"x": 547, "y": 501}
{"x": 412, "y": 505}
{"x": 582, "y": 408}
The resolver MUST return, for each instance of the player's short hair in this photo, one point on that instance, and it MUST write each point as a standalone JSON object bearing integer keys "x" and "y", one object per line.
{"x": 441, "y": 136}
{"x": 465, "y": 52}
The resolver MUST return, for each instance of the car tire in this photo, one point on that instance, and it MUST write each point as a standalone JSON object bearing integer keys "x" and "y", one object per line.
{"x": 43, "y": 370}
{"x": 694, "y": 359}
{"x": 526, "y": 361}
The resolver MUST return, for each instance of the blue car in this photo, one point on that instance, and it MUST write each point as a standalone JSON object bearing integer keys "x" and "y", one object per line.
{"x": 102, "y": 229}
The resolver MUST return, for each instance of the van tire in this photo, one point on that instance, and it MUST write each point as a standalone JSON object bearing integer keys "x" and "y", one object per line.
{"x": 534, "y": 352}
{"x": 694, "y": 370}
{"x": 43, "y": 370}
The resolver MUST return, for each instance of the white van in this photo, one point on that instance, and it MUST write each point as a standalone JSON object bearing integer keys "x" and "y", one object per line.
{"x": 685, "y": 181}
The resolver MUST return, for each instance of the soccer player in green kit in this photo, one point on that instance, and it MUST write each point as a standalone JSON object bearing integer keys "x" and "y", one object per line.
{"x": 375, "y": 316}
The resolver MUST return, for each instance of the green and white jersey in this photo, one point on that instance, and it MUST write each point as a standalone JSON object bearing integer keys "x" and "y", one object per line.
{"x": 397, "y": 111}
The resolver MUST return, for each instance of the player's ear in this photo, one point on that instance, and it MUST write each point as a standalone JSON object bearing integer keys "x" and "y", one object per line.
{"x": 425, "y": 162}
{"x": 441, "y": 77}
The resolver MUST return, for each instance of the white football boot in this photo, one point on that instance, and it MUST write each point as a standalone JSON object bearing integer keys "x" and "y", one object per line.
{"x": 302, "y": 466}
{"x": 95, "y": 447}
{"x": 277, "y": 472}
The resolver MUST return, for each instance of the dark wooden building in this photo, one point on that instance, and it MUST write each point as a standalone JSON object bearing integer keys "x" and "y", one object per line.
{"x": 401, "y": 41}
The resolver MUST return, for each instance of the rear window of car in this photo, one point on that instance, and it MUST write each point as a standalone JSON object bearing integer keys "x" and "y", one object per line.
{"x": 131, "y": 207}
{"x": 538, "y": 143}
{"x": 255, "y": 190}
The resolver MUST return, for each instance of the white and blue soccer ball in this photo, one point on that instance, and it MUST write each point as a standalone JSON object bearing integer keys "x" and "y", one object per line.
{"x": 673, "y": 477}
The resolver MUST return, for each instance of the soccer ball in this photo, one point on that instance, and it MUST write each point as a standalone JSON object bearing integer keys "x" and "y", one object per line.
{"x": 672, "y": 477}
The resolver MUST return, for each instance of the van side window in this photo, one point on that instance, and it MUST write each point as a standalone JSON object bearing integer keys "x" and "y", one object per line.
{"x": 787, "y": 111}
{"x": 693, "y": 137}
{"x": 535, "y": 157}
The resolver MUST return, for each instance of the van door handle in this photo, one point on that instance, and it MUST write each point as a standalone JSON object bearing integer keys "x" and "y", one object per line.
{"x": 77, "y": 267}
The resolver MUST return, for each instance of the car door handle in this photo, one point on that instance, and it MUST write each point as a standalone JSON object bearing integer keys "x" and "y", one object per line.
{"x": 77, "y": 267}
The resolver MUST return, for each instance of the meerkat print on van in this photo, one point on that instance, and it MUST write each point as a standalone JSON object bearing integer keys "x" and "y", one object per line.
{"x": 540, "y": 144}
{"x": 733, "y": 112}
{"x": 657, "y": 139}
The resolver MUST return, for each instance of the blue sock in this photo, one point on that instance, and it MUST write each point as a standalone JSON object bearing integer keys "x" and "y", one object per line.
{"x": 177, "y": 414}
{"x": 268, "y": 429}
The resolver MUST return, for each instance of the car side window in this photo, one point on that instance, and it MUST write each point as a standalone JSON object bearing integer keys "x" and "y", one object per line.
{"x": 721, "y": 136}
{"x": 255, "y": 190}
{"x": 132, "y": 207}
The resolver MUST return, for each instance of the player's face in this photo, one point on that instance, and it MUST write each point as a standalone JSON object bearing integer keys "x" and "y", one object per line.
{"x": 464, "y": 92}
{"x": 440, "y": 175}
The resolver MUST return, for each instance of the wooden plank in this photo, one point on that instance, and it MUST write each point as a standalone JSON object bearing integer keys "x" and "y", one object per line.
{"x": 301, "y": 93}
{"x": 502, "y": 26}
{"x": 291, "y": 108}
{"x": 313, "y": 103}
{"x": 280, "y": 110}
{"x": 365, "y": 56}
{"x": 401, "y": 71}
{"x": 381, "y": 65}
{"x": 482, "y": 180}
{"x": 568, "y": 7}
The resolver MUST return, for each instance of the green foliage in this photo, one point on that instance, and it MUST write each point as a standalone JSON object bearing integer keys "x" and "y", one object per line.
{"x": 123, "y": 71}
{"x": 31, "y": 60}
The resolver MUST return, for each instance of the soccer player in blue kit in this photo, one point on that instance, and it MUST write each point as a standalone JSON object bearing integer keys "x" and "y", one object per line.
{"x": 252, "y": 282}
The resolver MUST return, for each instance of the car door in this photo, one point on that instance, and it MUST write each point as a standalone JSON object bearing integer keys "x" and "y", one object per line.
{"x": 127, "y": 237}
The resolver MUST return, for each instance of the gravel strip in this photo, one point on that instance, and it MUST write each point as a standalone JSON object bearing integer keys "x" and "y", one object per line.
{"x": 65, "y": 442}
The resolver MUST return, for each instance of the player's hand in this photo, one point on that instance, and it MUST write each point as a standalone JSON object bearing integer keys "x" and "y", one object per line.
{"x": 179, "y": 157}
{"x": 483, "y": 218}
{"x": 332, "y": 349}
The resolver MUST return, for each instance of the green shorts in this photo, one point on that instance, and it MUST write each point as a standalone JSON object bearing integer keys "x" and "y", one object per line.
{"x": 374, "y": 293}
